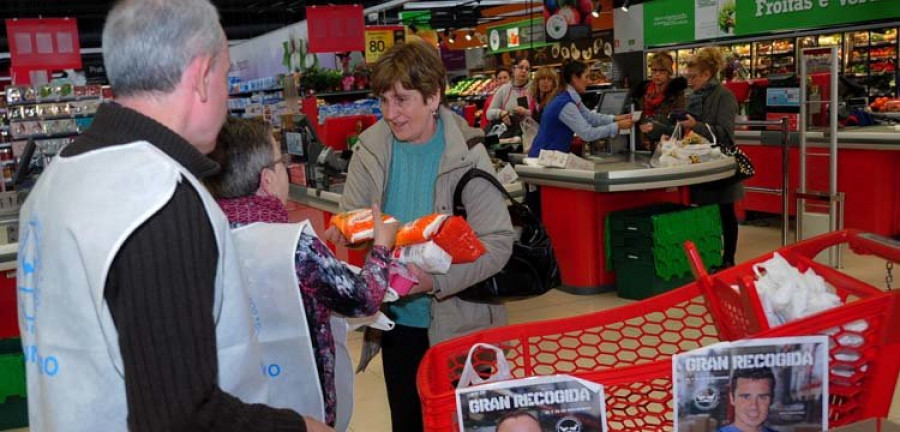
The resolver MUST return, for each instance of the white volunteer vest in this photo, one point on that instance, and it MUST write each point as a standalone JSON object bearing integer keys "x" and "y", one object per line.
{"x": 267, "y": 258}
{"x": 75, "y": 220}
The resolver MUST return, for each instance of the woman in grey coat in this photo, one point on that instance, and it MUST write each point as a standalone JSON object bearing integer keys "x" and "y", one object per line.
{"x": 716, "y": 108}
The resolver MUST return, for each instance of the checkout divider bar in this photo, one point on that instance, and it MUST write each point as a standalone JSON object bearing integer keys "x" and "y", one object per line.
{"x": 785, "y": 195}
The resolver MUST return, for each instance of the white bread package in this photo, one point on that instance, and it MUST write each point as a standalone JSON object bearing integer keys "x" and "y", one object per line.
{"x": 558, "y": 159}
{"x": 427, "y": 256}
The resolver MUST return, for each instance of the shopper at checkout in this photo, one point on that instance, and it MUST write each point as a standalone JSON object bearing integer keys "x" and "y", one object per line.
{"x": 252, "y": 187}
{"x": 567, "y": 116}
{"x": 411, "y": 161}
{"x": 141, "y": 305}
{"x": 657, "y": 98}
{"x": 512, "y": 101}
{"x": 715, "y": 108}
{"x": 502, "y": 76}
{"x": 546, "y": 88}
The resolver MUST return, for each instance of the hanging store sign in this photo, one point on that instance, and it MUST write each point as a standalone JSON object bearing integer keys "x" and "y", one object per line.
{"x": 762, "y": 16}
{"x": 588, "y": 50}
{"x": 336, "y": 28}
{"x": 380, "y": 39}
{"x": 420, "y": 19}
{"x": 568, "y": 19}
{"x": 44, "y": 43}
{"x": 668, "y": 22}
{"x": 527, "y": 34}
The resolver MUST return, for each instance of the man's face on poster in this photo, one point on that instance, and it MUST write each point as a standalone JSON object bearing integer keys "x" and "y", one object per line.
{"x": 751, "y": 399}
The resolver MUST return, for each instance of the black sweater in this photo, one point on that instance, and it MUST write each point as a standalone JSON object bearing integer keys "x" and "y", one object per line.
{"x": 160, "y": 292}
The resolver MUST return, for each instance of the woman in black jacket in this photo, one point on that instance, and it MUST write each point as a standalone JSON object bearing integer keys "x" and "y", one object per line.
{"x": 657, "y": 98}
{"x": 716, "y": 107}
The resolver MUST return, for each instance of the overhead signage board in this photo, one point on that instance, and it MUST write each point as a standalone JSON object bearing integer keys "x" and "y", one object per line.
{"x": 526, "y": 34}
{"x": 669, "y": 22}
{"x": 380, "y": 39}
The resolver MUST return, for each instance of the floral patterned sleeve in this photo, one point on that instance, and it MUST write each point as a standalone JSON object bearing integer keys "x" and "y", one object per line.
{"x": 323, "y": 277}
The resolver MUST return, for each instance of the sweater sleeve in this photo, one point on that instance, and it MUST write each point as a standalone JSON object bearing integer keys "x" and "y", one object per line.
{"x": 493, "y": 111}
{"x": 160, "y": 292}
{"x": 572, "y": 117}
{"x": 327, "y": 279}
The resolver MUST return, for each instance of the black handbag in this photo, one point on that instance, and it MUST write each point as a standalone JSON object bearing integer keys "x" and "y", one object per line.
{"x": 745, "y": 167}
{"x": 531, "y": 270}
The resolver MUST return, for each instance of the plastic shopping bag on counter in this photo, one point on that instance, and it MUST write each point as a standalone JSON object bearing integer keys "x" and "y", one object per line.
{"x": 427, "y": 256}
{"x": 420, "y": 230}
{"x": 458, "y": 239}
{"x": 358, "y": 225}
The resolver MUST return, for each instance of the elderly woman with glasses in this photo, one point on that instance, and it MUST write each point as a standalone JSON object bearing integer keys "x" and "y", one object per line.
{"x": 716, "y": 108}
{"x": 252, "y": 187}
{"x": 657, "y": 98}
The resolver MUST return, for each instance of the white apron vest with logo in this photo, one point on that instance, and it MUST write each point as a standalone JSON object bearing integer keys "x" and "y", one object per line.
{"x": 267, "y": 253}
{"x": 73, "y": 224}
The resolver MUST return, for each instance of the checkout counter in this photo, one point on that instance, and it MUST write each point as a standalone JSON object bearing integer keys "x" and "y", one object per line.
{"x": 575, "y": 203}
{"x": 868, "y": 173}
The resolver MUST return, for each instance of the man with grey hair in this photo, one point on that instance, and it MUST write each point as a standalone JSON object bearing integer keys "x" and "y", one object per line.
{"x": 131, "y": 305}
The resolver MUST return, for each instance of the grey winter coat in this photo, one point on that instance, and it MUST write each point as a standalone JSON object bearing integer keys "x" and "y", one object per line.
{"x": 718, "y": 110}
{"x": 487, "y": 214}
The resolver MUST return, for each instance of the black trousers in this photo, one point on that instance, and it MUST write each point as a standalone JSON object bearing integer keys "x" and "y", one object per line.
{"x": 402, "y": 349}
{"x": 729, "y": 232}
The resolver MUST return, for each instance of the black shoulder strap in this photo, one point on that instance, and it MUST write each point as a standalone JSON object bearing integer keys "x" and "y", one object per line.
{"x": 458, "y": 208}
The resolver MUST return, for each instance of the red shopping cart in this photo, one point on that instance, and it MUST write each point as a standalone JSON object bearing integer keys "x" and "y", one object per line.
{"x": 629, "y": 349}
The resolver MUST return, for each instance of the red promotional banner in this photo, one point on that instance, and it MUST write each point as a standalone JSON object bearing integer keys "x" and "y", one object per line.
{"x": 336, "y": 28}
{"x": 44, "y": 43}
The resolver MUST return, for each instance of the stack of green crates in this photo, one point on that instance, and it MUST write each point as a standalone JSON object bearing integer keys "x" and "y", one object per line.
{"x": 645, "y": 246}
{"x": 13, "y": 405}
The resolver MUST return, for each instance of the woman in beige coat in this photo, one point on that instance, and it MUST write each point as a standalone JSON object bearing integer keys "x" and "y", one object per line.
{"x": 410, "y": 162}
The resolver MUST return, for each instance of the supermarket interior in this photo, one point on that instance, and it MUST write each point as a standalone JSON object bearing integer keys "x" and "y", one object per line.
{"x": 440, "y": 215}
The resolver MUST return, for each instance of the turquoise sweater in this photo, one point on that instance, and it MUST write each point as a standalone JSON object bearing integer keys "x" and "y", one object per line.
{"x": 410, "y": 195}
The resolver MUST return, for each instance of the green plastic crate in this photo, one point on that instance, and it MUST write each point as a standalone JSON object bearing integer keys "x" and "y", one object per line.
{"x": 13, "y": 390}
{"x": 636, "y": 279}
{"x": 649, "y": 243}
{"x": 14, "y": 413}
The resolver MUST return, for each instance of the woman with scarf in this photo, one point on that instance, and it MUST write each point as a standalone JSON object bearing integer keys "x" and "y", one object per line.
{"x": 505, "y": 105}
{"x": 657, "y": 98}
{"x": 252, "y": 186}
{"x": 716, "y": 108}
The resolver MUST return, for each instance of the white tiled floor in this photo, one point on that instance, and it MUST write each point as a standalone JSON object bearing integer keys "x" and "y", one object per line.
{"x": 371, "y": 408}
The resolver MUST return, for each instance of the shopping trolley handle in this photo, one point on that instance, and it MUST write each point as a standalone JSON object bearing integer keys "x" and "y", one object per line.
{"x": 863, "y": 243}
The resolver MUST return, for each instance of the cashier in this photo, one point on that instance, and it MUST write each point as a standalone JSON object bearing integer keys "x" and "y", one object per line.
{"x": 566, "y": 116}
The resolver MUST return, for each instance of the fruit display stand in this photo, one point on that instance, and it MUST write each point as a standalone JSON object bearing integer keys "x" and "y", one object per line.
{"x": 629, "y": 349}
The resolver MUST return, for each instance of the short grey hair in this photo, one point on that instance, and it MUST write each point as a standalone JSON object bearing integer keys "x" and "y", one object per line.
{"x": 243, "y": 150}
{"x": 147, "y": 44}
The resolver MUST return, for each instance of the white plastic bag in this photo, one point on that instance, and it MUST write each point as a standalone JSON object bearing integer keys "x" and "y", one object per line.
{"x": 675, "y": 151}
{"x": 529, "y": 131}
{"x": 787, "y": 295}
{"x": 469, "y": 377}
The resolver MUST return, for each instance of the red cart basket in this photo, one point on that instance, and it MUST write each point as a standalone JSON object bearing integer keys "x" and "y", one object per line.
{"x": 628, "y": 349}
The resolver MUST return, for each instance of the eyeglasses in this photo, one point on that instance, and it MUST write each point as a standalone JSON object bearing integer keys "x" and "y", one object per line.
{"x": 690, "y": 76}
{"x": 285, "y": 160}
{"x": 665, "y": 71}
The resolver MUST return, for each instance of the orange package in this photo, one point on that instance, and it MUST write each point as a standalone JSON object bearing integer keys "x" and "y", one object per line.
{"x": 358, "y": 225}
{"x": 420, "y": 230}
{"x": 457, "y": 239}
